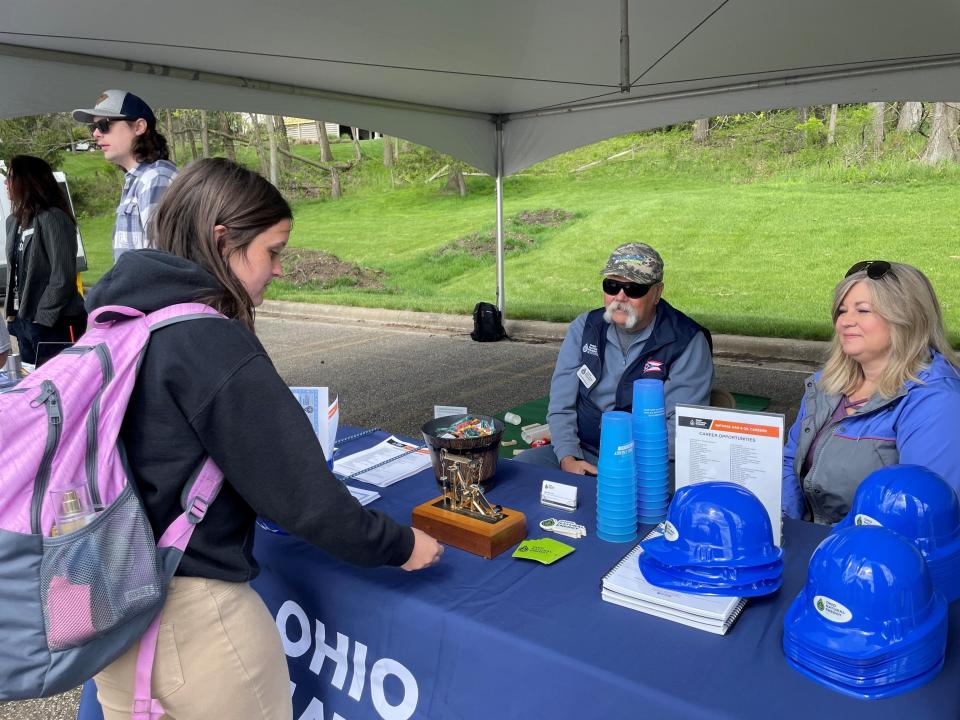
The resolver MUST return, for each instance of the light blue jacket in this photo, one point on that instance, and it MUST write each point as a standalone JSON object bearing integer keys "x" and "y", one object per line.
{"x": 918, "y": 426}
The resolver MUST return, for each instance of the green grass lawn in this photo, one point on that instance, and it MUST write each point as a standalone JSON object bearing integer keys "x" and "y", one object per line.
{"x": 754, "y": 236}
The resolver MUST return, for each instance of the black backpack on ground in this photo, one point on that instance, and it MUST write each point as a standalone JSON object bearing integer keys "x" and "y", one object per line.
{"x": 487, "y": 323}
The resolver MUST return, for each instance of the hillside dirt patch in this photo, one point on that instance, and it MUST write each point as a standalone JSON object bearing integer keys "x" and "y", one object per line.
{"x": 314, "y": 267}
{"x": 514, "y": 237}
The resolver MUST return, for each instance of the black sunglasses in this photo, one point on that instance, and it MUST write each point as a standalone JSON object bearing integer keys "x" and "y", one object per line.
{"x": 102, "y": 125}
{"x": 876, "y": 269}
{"x": 630, "y": 289}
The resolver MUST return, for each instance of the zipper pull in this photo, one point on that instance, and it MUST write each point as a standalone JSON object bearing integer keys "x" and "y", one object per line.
{"x": 42, "y": 397}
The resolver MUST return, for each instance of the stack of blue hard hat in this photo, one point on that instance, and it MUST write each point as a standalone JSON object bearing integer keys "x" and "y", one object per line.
{"x": 717, "y": 540}
{"x": 869, "y": 622}
{"x": 920, "y": 505}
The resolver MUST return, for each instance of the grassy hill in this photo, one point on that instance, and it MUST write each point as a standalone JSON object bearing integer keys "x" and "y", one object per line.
{"x": 755, "y": 227}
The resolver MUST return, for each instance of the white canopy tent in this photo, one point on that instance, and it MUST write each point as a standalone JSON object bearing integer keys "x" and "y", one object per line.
{"x": 500, "y": 84}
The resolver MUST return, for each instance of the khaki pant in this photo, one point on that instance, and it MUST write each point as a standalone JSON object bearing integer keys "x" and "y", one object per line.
{"x": 219, "y": 655}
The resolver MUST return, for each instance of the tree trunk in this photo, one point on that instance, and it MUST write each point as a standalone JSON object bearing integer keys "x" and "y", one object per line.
{"x": 387, "y": 151}
{"x": 355, "y": 134}
{"x": 335, "y": 192}
{"x": 911, "y": 114}
{"x": 204, "y": 134}
{"x": 701, "y": 130}
{"x": 942, "y": 143}
{"x": 325, "y": 154}
{"x": 173, "y": 140}
{"x": 283, "y": 140}
{"x": 877, "y": 133}
{"x": 803, "y": 114}
{"x": 192, "y": 140}
{"x": 258, "y": 144}
{"x": 832, "y": 126}
{"x": 227, "y": 134}
{"x": 272, "y": 140}
{"x": 455, "y": 180}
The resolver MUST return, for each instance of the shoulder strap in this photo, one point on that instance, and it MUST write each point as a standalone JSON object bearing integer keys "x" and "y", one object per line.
{"x": 197, "y": 496}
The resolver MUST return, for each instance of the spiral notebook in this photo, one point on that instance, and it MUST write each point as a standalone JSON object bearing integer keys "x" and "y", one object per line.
{"x": 625, "y": 585}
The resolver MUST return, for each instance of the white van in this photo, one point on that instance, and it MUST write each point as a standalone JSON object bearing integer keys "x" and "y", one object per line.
{"x": 5, "y": 211}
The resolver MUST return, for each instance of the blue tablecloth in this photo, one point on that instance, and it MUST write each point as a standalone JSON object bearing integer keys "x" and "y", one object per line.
{"x": 505, "y": 638}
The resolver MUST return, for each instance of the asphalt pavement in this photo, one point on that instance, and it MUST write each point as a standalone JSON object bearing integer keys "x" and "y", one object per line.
{"x": 390, "y": 368}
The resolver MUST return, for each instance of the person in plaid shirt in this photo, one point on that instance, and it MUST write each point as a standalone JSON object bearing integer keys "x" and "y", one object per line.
{"x": 125, "y": 128}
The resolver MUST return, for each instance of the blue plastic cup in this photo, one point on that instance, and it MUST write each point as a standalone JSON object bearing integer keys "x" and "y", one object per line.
{"x": 616, "y": 441}
{"x": 626, "y": 513}
{"x": 648, "y": 393}
{"x": 608, "y": 537}
{"x": 616, "y": 492}
{"x": 628, "y": 482}
{"x": 618, "y": 526}
{"x": 618, "y": 473}
{"x": 652, "y": 458}
{"x": 653, "y": 496}
{"x": 648, "y": 509}
{"x": 651, "y": 519}
{"x": 649, "y": 441}
{"x": 617, "y": 507}
{"x": 656, "y": 471}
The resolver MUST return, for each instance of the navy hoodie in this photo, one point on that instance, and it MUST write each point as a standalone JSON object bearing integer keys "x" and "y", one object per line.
{"x": 207, "y": 387}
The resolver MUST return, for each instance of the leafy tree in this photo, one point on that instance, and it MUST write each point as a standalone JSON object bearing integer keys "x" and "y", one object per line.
{"x": 45, "y": 136}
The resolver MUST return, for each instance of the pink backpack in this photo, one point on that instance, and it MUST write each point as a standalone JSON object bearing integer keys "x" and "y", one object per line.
{"x": 71, "y": 604}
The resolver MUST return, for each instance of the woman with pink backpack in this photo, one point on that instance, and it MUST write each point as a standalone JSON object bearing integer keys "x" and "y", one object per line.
{"x": 206, "y": 388}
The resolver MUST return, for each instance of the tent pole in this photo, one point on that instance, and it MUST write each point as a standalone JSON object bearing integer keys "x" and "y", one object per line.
{"x": 501, "y": 304}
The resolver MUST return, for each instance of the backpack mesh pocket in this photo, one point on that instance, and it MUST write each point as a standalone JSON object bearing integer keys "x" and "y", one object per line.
{"x": 100, "y": 576}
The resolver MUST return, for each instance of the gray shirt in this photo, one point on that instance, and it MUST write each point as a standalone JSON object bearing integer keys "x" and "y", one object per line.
{"x": 690, "y": 380}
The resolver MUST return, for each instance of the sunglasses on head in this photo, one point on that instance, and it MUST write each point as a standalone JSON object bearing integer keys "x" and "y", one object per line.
{"x": 875, "y": 269}
{"x": 630, "y": 289}
{"x": 102, "y": 125}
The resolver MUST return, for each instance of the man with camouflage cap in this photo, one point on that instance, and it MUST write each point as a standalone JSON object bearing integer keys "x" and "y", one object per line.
{"x": 636, "y": 334}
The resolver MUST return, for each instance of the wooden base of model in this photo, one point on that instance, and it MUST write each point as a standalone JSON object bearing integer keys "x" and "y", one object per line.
{"x": 487, "y": 539}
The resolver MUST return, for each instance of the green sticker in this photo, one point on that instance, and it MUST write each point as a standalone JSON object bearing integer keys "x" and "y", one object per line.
{"x": 545, "y": 550}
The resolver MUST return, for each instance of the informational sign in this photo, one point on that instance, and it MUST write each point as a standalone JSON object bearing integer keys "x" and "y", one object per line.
{"x": 735, "y": 446}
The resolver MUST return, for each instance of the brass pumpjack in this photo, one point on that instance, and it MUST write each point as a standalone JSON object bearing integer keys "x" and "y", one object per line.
{"x": 462, "y": 493}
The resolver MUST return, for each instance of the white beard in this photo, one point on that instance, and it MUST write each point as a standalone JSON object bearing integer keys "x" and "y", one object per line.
{"x": 632, "y": 317}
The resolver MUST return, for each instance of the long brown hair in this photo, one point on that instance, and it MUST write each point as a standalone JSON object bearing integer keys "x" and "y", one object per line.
{"x": 150, "y": 146}
{"x": 215, "y": 192}
{"x": 33, "y": 188}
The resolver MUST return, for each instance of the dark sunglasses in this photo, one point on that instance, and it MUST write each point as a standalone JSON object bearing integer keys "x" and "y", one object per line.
{"x": 876, "y": 269}
{"x": 630, "y": 289}
{"x": 102, "y": 125}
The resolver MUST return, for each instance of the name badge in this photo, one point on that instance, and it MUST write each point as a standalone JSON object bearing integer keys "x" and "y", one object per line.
{"x": 586, "y": 377}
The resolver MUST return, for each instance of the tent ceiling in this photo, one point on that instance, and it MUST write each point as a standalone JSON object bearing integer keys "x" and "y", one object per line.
{"x": 438, "y": 71}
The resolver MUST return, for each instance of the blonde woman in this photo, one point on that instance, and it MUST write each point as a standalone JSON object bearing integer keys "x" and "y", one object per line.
{"x": 889, "y": 393}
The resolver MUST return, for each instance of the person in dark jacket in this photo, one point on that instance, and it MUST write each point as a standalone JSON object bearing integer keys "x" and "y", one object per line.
{"x": 636, "y": 334}
{"x": 207, "y": 387}
{"x": 889, "y": 393}
{"x": 43, "y": 304}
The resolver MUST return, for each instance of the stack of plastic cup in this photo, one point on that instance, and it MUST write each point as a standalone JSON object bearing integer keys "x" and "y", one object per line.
{"x": 650, "y": 451}
{"x": 869, "y": 623}
{"x": 616, "y": 484}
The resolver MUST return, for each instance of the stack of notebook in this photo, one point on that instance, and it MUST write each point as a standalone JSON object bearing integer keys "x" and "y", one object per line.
{"x": 625, "y": 585}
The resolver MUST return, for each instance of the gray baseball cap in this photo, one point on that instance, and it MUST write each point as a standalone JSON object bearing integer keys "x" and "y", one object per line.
{"x": 637, "y": 262}
{"x": 117, "y": 105}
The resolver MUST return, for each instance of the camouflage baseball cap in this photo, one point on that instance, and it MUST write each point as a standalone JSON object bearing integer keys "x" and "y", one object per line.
{"x": 637, "y": 262}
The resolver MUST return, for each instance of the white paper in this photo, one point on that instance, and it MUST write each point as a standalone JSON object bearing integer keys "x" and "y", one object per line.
{"x": 734, "y": 446}
{"x": 364, "y": 496}
{"x": 392, "y": 449}
{"x": 446, "y": 410}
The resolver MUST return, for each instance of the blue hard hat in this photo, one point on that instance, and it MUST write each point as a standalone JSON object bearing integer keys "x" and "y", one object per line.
{"x": 718, "y": 575}
{"x": 868, "y": 596}
{"x": 659, "y": 575}
{"x": 715, "y": 524}
{"x": 914, "y": 501}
